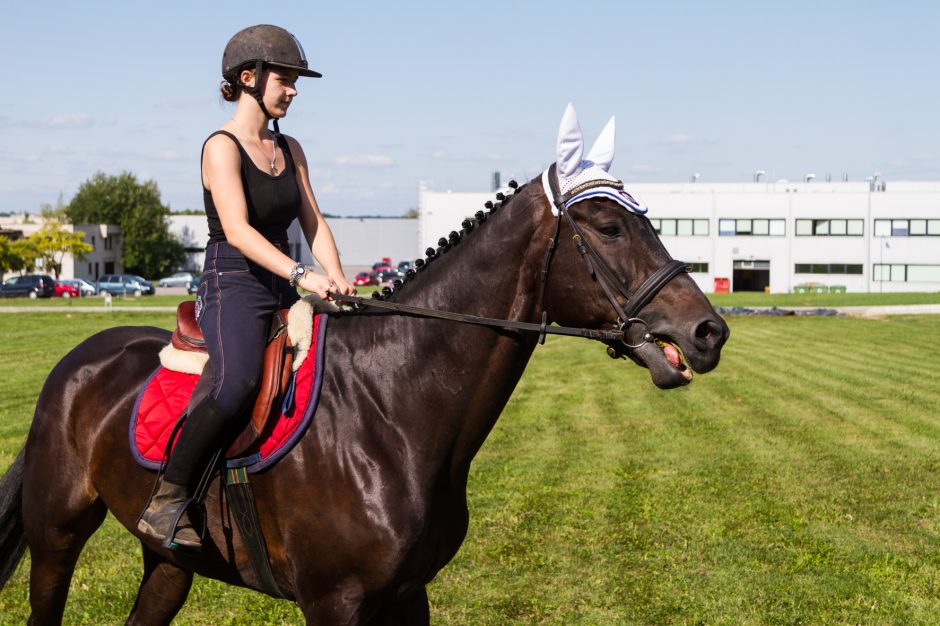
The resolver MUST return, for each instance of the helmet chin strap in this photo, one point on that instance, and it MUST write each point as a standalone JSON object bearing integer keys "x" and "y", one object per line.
{"x": 256, "y": 93}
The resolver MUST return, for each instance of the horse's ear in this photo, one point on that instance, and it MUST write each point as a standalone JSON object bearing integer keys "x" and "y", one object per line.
{"x": 602, "y": 152}
{"x": 570, "y": 144}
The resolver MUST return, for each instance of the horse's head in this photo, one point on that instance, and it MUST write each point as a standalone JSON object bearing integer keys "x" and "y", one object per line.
{"x": 610, "y": 269}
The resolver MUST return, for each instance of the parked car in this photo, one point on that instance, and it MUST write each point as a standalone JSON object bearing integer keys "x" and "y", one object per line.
{"x": 86, "y": 288}
{"x": 179, "y": 279}
{"x": 388, "y": 274}
{"x": 64, "y": 289}
{"x": 194, "y": 286}
{"x": 404, "y": 266}
{"x": 82, "y": 287}
{"x": 28, "y": 286}
{"x": 365, "y": 278}
{"x": 148, "y": 287}
{"x": 124, "y": 284}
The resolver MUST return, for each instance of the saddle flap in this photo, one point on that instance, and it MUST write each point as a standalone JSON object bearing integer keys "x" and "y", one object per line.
{"x": 187, "y": 335}
{"x": 275, "y": 377}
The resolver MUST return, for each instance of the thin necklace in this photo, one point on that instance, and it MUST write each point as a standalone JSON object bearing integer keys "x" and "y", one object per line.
{"x": 261, "y": 147}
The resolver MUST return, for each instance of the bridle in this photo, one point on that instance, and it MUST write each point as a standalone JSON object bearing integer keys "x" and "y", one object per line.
{"x": 627, "y": 315}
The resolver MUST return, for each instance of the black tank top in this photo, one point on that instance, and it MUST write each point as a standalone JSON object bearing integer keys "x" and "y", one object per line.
{"x": 273, "y": 201}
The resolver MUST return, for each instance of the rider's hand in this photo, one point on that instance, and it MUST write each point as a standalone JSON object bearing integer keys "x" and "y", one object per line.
{"x": 342, "y": 286}
{"x": 317, "y": 284}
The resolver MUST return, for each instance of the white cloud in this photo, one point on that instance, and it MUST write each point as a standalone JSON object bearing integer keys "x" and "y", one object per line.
{"x": 679, "y": 139}
{"x": 59, "y": 149}
{"x": 171, "y": 155}
{"x": 366, "y": 160}
{"x": 642, "y": 168}
{"x": 69, "y": 120}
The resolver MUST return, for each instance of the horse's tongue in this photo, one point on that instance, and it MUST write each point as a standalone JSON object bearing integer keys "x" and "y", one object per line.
{"x": 672, "y": 355}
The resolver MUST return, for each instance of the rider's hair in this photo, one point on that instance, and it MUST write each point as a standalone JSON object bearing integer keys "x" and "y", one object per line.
{"x": 230, "y": 89}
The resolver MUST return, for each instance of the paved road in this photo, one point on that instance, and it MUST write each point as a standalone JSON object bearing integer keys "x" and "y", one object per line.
{"x": 862, "y": 311}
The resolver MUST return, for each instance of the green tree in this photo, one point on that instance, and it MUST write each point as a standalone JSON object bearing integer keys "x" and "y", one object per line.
{"x": 150, "y": 249}
{"x": 8, "y": 260}
{"x": 52, "y": 243}
{"x": 23, "y": 254}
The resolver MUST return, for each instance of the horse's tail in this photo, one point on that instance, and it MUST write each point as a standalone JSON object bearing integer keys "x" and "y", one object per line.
{"x": 12, "y": 536}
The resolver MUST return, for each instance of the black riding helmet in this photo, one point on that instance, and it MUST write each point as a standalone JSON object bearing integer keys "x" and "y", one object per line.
{"x": 257, "y": 46}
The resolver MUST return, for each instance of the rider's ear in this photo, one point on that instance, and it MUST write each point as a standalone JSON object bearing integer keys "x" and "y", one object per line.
{"x": 247, "y": 77}
{"x": 602, "y": 152}
{"x": 570, "y": 144}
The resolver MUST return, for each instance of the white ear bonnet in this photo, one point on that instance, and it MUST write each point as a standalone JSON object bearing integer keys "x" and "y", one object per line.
{"x": 586, "y": 179}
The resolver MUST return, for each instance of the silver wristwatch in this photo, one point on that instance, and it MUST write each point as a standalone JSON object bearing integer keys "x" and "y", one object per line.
{"x": 296, "y": 273}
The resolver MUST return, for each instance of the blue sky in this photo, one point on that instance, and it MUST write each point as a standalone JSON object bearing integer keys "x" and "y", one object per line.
{"x": 450, "y": 92}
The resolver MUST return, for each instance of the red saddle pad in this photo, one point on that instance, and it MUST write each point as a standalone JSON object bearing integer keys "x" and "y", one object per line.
{"x": 165, "y": 396}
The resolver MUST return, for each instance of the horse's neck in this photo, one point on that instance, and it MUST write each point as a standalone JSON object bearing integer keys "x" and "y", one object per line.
{"x": 493, "y": 272}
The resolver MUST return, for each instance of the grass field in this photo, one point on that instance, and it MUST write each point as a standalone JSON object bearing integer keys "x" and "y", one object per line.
{"x": 799, "y": 483}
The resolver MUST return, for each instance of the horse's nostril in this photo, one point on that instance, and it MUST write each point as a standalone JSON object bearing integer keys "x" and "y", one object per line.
{"x": 710, "y": 331}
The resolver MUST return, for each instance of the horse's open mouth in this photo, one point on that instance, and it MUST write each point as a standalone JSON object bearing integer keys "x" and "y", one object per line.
{"x": 675, "y": 357}
{"x": 665, "y": 362}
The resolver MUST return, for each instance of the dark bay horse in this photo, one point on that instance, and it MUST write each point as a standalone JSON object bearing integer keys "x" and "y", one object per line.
{"x": 371, "y": 503}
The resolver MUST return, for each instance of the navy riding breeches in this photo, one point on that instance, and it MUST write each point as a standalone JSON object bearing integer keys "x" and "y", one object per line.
{"x": 234, "y": 306}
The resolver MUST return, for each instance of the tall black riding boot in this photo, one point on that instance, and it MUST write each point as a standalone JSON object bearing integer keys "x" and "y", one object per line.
{"x": 159, "y": 520}
{"x": 197, "y": 441}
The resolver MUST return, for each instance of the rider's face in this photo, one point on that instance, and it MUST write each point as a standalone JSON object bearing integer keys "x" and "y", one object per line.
{"x": 278, "y": 90}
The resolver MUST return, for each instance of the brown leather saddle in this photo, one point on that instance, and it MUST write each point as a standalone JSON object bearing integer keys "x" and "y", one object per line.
{"x": 276, "y": 375}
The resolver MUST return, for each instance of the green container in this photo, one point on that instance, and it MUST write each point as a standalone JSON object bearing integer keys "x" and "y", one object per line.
{"x": 818, "y": 289}
{"x": 800, "y": 289}
{"x": 837, "y": 289}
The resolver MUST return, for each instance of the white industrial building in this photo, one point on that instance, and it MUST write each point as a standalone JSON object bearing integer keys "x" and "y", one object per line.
{"x": 778, "y": 236}
{"x": 361, "y": 241}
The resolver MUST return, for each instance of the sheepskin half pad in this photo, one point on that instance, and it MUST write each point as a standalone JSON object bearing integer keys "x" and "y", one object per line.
{"x": 166, "y": 394}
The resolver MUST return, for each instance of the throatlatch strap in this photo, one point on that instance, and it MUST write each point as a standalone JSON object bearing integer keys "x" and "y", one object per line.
{"x": 241, "y": 499}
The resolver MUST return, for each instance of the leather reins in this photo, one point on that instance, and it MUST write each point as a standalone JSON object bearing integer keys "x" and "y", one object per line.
{"x": 596, "y": 267}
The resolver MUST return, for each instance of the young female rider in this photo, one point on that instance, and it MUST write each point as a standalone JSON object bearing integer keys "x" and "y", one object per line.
{"x": 255, "y": 183}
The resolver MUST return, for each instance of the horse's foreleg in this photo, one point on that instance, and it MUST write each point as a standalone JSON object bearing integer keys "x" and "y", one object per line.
{"x": 162, "y": 591}
{"x": 409, "y": 610}
{"x": 343, "y": 606}
{"x": 54, "y": 545}
{"x": 347, "y": 606}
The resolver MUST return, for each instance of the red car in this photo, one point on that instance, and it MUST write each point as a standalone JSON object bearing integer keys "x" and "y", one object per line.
{"x": 365, "y": 278}
{"x": 65, "y": 290}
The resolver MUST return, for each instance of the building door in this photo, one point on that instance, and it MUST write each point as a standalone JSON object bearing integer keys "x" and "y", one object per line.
{"x": 751, "y": 276}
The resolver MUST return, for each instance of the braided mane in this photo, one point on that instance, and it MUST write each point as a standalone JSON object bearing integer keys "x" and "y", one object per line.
{"x": 445, "y": 244}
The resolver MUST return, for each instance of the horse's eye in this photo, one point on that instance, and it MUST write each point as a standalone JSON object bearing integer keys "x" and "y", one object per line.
{"x": 610, "y": 230}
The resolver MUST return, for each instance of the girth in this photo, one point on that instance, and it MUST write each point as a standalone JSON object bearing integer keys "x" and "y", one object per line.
{"x": 276, "y": 370}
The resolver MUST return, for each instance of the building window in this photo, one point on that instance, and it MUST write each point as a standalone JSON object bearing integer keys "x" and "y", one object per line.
{"x": 895, "y": 272}
{"x": 920, "y": 227}
{"x": 669, "y": 227}
{"x": 828, "y": 268}
{"x": 697, "y": 268}
{"x": 829, "y": 228}
{"x": 757, "y": 227}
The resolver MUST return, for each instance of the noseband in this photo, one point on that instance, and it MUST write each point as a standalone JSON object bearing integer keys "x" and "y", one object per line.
{"x": 596, "y": 267}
